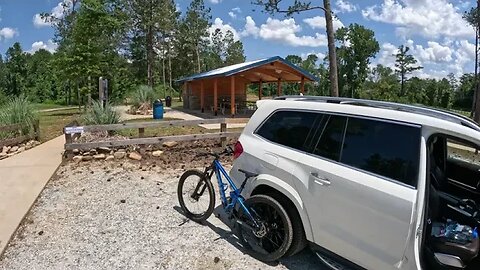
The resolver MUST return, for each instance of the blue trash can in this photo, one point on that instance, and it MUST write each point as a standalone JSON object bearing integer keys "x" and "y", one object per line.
{"x": 158, "y": 109}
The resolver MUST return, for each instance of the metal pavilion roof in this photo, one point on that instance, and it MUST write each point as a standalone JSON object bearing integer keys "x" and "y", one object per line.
{"x": 238, "y": 68}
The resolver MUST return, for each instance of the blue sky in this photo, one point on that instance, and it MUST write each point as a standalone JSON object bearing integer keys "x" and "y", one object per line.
{"x": 433, "y": 29}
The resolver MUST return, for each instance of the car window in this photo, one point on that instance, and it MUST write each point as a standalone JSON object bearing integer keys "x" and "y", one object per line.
{"x": 463, "y": 152}
{"x": 330, "y": 143}
{"x": 388, "y": 149}
{"x": 290, "y": 128}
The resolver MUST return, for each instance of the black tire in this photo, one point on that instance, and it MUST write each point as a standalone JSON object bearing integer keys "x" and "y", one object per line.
{"x": 299, "y": 241}
{"x": 205, "y": 185}
{"x": 278, "y": 227}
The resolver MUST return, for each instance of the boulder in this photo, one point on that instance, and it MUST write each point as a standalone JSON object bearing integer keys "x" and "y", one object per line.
{"x": 135, "y": 156}
{"x": 21, "y": 149}
{"x": 99, "y": 156}
{"x": 77, "y": 159}
{"x": 157, "y": 153}
{"x": 170, "y": 144}
{"x": 119, "y": 154}
{"x": 5, "y": 149}
{"x": 87, "y": 158}
{"x": 103, "y": 150}
{"x": 13, "y": 149}
{"x": 111, "y": 157}
{"x": 76, "y": 151}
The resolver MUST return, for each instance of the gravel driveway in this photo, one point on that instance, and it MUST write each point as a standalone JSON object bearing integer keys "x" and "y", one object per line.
{"x": 124, "y": 216}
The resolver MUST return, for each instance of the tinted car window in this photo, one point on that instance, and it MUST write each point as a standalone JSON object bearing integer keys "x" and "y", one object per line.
{"x": 289, "y": 128}
{"x": 330, "y": 143}
{"x": 387, "y": 149}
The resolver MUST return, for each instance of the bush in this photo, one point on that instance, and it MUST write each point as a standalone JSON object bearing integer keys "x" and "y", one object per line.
{"x": 18, "y": 110}
{"x": 142, "y": 96}
{"x": 99, "y": 115}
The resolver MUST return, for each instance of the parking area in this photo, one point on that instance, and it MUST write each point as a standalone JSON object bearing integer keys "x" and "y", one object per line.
{"x": 113, "y": 215}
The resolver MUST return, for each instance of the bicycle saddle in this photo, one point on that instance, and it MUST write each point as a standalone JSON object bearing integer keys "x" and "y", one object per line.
{"x": 247, "y": 173}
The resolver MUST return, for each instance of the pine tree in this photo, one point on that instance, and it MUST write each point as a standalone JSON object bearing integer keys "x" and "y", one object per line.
{"x": 404, "y": 64}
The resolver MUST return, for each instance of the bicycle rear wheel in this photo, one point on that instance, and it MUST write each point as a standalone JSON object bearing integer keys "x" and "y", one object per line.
{"x": 196, "y": 195}
{"x": 273, "y": 239}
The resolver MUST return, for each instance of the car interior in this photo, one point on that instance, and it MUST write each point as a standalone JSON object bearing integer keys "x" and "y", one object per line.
{"x": 453, "y": 214}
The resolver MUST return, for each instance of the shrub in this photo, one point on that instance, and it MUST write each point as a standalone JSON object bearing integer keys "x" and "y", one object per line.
{"x": 100, "y": 115}
{"x": 18, "y": 110}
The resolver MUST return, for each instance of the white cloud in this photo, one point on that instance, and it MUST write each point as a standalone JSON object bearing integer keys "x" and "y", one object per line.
{"x": 435, "y": 52}
{"x": 345, "y": 6}
{"x": 8, "y": 33}
{"x": 428, "y": 18}
{"x": 56, "y": 12}
{"x": 284, "y": 31}
{"x": 319, "y": 22}
{"x": 218, "y": 23}
{"x": 49, "y": 46}
{"x": 232, "y": 14}
{"x": 251, "y": 28}
{"x": 237, "y": 9}
{"x": 39, "y": 22}
{"x": 387, "y": 55}
{"x": 215, "y": 1}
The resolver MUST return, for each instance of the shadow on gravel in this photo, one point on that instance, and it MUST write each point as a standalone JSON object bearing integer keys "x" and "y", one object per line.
{"x": 303, "y": 260}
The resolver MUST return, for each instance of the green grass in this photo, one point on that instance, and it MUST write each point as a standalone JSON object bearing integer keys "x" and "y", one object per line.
{"x": 52, "y": 123}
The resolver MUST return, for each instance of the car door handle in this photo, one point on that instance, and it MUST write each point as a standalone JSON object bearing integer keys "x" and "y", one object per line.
{"x": 323, "y": 181}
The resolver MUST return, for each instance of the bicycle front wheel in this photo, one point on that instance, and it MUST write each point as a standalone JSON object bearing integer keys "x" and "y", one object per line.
{"x": 196, "y": 195}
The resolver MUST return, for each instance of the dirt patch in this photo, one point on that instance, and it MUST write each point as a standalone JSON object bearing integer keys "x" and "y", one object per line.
{"x": 125, "y": 215}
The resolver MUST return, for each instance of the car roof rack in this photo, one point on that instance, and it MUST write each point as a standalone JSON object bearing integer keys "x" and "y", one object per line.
{"x": 436, "y": 113}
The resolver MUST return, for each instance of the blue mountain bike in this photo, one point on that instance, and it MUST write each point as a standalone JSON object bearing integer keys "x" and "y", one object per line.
{"x": 263, "y": 225}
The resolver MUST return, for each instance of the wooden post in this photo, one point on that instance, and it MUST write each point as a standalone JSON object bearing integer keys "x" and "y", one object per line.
{"x": 260, "y": 89}
{"x": 202, "y": 96}
{"x": 302, "y": 86}
{"x": 215, "y": 96}
{"x": 223, "y": 128}
{"x": 141, "y": 132}
{"x": 232, "y": 95}
{"x": 36, "y": 129}
{"x": 279, "y": 87}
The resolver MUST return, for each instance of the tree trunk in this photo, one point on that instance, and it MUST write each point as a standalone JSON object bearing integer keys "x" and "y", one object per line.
{"x": 332, "y": 54}
{"x": 170, "y": 70}
{"x": 402, "y": 84}
{"x": 163, "y": 75}
{"x": 197, "y": 51}
{"x": 150, "y": 57}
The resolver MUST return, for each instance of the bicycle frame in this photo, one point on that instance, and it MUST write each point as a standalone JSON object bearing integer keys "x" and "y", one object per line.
{"x": 235, "y": 193}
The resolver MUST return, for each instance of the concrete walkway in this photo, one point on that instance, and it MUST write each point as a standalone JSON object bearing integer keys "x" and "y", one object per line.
{"x": 22, "y": 178}
{"x": 170, "y": 113}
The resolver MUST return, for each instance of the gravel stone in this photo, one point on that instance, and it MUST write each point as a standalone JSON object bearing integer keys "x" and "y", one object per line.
{"x": 95, "y": 231}
{"x": 157, "y": 153}
{"x": 135, "y": 156}
{"x": 99, "y": 156}
{"x": 77, "y": 159}
{"x": 108, "y": 158}
{"x": 13, "y": 149}
{"x": 119, "y": 154}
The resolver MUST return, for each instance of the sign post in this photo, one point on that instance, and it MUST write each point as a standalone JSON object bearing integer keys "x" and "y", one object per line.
{"x": 103, "y": 90}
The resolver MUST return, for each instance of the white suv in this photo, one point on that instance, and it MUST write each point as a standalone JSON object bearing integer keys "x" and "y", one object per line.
{"x": 368, "y": 184}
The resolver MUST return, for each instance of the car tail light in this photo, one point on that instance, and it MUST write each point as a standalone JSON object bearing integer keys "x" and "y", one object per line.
{"x": 238, "y": 150}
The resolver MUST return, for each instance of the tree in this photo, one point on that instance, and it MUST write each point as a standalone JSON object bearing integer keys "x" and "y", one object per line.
{"x": 234, "y": 53}
{"x": 404, "y": 64}
{"x": 16, "y": 66}
{"x": 298, "y": 6}
{"x": 357, "y": 46}
{"x": 473, "y": 18}
{"x": 194, "y": 32}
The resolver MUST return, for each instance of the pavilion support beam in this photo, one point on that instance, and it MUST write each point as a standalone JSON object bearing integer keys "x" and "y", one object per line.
{"x": 215, "y": 96}
{"x": 279, "y": 87}
{"x": 184, "y": 94}
{"x": 202, "y": 96}
{"x": 260, "y": 85}
{"x": 232, "y": 95}
{"x": 302, "y": 86}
